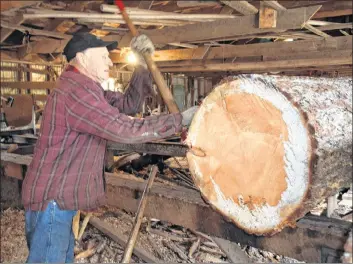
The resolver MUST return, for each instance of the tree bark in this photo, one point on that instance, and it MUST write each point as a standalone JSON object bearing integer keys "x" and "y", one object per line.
{"x": 275, "y": 147}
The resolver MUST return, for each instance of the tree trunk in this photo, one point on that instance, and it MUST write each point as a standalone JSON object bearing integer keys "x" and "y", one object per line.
{"x": 275, "y": 147}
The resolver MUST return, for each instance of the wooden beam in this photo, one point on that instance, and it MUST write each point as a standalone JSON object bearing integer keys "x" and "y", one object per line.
{"x": 185, "y": 4}
{"x": 28, "y": 85}
{"x": 33, "y": 31}
{"x": 267, "y": 17}
{"x": 225, "y": 28}
{"x": 259, "y": 49}
{"x": 242, "y": 7}
{"x": 334, "y": 9}
{"x": 316, "y": 31}
{"x": 275, "y": 5}
{"x": 7, "y": 5}
{"x": 145, "y": 5}
{"x": 265, "y": 65}
{"x": 24, "y": 69}
{"x": 6, "y": 32}
{"x": 44, "y": 46}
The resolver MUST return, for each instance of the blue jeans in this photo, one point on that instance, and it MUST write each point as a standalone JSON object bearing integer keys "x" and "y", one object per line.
{"x": 49, "y": 235}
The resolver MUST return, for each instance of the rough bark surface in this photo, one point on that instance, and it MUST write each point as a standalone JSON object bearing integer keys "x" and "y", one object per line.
{"x": 305, "y": 122}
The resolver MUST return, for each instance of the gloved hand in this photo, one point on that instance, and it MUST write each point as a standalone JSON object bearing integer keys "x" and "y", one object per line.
{"x": 171, "y": 126}
{"x": 141, "y": 45}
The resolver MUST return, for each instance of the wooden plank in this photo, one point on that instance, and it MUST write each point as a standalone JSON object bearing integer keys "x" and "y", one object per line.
{"x": 24, "y": 69}
{"x": 267, "y": 17}
{"x": 121, "y": 239}
{"x": 334, "y": 9}
{"x": 6, "y": 32}
{"x": 8, "y": 5}
{"x": 46, "y": 46}
{"x": 33, "y": 31}
{"x": 260, "y": 49}
{"x": 145, "y": 4}
{"x": 13, "y": 170}
{"x": 224, "y": 28}
{"x": 242, "y": 7}
{"x": 15, "y": 158}
{"x": 265, "y": 65}
{"x": 275, "y": 5}
{"x": 316, "y": 31}
{"x": 232, "y": 250}
{"x": 330, "y": 54}
{"x": 28, "y": 85}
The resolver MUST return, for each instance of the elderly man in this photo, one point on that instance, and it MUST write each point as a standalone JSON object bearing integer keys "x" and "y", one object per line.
{"x": 66, "y": 173}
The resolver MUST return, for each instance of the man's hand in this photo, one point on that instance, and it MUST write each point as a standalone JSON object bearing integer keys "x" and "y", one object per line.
{"x": 141, "y": 45}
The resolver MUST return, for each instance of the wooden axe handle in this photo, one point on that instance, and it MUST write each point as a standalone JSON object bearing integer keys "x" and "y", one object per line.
{"x": 157, "y": 76}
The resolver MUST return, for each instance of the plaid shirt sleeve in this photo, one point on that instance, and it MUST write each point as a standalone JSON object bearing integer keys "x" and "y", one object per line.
{"x": 139, "y": 88}
{"x": 88, "y": 111}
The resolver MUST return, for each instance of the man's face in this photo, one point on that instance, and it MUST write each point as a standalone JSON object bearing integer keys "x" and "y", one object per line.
{"x": 98, "y": 63}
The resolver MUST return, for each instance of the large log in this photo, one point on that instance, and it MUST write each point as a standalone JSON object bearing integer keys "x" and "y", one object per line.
{"x": 279, "y": 146}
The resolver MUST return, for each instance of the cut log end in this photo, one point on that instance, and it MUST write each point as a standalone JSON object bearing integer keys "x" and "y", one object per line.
{"x": 257, "y": 166}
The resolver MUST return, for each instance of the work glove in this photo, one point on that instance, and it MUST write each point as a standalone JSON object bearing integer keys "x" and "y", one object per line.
{"x": 171, "y": 126}
{"x": 140, "y": 45}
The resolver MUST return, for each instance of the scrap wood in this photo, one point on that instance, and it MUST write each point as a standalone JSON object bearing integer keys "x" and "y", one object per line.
{"x": 234, "y": 253}
{"x": 84, "y": 225}
{"x": 170, "y": 236}
{"x": 121, "y": 239}
{"x": 202, "y": 235}
{"x": 212, "y": 251}
{"x": 176, "y": 249}
{"x": 76, "y": 224}
{"x": 155, "y": 247}
{"x": 139, "y": 216}
{"x": 86, "y": 254}
{"x": 193, "y": 248}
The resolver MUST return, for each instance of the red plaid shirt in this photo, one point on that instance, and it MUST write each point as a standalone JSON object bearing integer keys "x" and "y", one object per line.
{"x": 78, "y": 119}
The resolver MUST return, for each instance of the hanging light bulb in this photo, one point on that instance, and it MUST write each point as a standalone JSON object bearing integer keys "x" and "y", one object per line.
{"x": 131, "y": 58}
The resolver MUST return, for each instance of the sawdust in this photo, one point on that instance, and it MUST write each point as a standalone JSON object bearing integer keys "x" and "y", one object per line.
{"x": 13, "y": 240}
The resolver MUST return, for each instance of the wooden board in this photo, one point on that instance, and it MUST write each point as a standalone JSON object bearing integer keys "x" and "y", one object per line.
{"x": 269, "y": 155}
{"x": 225, "y": 28}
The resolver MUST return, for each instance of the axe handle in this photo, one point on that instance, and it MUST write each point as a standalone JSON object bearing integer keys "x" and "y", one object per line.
{"x": 157, "y": 76}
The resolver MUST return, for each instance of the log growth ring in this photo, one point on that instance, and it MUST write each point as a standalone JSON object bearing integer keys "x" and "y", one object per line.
{"x": 258, "y": 153}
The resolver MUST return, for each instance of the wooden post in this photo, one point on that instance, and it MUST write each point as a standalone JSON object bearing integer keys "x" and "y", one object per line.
{"x": 186, "y": 92}
{"x": 139, "y": 215}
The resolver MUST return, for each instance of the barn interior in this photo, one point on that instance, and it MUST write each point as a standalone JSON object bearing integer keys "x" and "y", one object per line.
{"x": 300, "y": 49}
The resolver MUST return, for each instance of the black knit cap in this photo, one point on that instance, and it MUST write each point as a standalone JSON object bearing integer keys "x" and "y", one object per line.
{"x": 82, "y": 41}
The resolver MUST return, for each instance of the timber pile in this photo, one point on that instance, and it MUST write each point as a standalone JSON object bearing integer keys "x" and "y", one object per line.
{"x": 280, "y": 145}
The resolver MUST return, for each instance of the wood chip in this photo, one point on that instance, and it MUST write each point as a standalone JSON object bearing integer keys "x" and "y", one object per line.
{"x": 86, "y": 254}
{"x": 193, "y": 248}
{"x": 212, "y": 251}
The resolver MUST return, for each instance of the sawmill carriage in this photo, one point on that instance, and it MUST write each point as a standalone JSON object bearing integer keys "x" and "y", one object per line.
{"x": 265, "y": 160}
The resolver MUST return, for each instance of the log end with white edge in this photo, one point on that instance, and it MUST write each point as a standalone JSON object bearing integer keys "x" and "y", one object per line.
{"x": 275, "y": 147}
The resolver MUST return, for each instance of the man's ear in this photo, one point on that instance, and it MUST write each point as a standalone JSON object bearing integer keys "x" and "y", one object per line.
{"x": 81, "y": 58}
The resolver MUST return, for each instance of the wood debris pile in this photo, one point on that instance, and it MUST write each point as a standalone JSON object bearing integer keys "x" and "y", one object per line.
{"x": 164, "y": 241}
